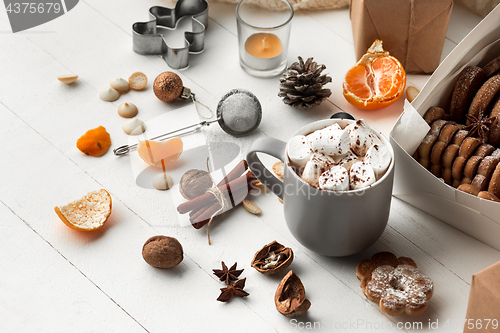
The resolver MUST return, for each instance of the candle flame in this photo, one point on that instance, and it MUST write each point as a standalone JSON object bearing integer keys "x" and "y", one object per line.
{"x": 264, "y": 43}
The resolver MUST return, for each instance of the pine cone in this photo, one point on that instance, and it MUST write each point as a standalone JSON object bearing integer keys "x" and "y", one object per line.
{"x": 302, "y": 85}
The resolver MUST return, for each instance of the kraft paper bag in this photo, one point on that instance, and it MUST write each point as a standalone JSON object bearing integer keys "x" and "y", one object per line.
{"x": 413, "y": 31}
{"x": 483, "y": 314}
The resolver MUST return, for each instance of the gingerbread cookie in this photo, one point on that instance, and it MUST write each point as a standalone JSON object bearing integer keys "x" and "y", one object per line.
{"x": 472, "y": 164}
{"x": 434, "y": 113}
{"x": 424, "y": 150}
{"x": 395, "y": 283}
{"x": 485, "y": 171}
{"x": 467, "y": 85}
{"x": 467, "y": 148}
{"x": 494, "y": 185}
{"x": 445, "y": 136}
{"x": 475, "y": 191}
{"x": 492, "y": 67}
{"x": 483, "y": 97}
{"x": 449, "y": 155}
{"x": 494, "y": 135}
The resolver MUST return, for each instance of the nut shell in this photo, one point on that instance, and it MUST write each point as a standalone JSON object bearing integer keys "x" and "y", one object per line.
{"x": 290, "y": 297}
{"x": 67, "y": 79}
{"x": 168, "y": 86}
{"x": 194, "y": 183}
{"x": 162, "y": 252}
{"x": 258, "y": 261}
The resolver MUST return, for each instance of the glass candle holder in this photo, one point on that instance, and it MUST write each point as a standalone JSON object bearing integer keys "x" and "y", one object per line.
{"x": 263, "y": 37}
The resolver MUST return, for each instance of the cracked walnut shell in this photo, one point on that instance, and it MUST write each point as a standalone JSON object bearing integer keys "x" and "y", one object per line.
{"x": 162, "y": 252}
{"x": 290, "y": 297}
{"x": 272, "y": 258}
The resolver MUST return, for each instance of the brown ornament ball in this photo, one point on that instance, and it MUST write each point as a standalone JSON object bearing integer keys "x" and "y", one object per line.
{"x": 168, "y": 86}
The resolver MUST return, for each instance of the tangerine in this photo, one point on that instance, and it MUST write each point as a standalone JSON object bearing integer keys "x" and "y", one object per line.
{"x": 376, "y": 81}
{"x": 160, "y": 153}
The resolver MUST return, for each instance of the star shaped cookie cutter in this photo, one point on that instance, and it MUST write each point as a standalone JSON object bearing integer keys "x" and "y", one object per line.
{"x": 148, "y": 42}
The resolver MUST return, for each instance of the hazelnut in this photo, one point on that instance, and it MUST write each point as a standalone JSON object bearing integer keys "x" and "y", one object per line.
{"x": 162, "y": 252}
{"x": 194, "y": 183}
{"x": 290, "y": 297}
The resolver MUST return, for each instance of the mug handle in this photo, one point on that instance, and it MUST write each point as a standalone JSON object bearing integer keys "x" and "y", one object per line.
{"x": 273, "y": 147}
{"x": 343, "y": 115}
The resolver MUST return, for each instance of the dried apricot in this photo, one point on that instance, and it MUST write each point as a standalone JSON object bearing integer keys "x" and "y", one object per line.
{"x": 95, "y": 142}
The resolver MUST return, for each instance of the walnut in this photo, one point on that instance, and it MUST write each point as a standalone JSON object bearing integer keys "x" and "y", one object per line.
{"x": 162, "y": 252}
{"x": 194, "y": 183}
{"x": 290, "y": 297}
{"x": 272, "y": 258}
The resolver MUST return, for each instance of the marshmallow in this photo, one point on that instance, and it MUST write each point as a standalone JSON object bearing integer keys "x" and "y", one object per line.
{"x": 379, "y": 158}
{"x": 299, "y": 150}
{"x": 362, "y": 137}
{"x": 334, "y": 127}
{"x": 330, "y": 141}
{"x": 315, "y": 166}
{"x": 361, "y": 175}
{"x": 334, "y": 179}
{"x": 348, "y": 160}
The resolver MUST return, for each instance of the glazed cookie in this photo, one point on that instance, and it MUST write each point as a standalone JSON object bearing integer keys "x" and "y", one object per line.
{"x": 434, "y": 113}
{"x": 395, "y": 283}
{"x": 467, "y": 188}
{"x": 483, "y": 98}
{"x": 494, "y": 135}
{"x": 469, "y": 82}
{"x": 492, "y": 67}
{"x": 475, "y": 191}
{"x": 449, "y": 155}
{"x": 494, "y": 185}
{"x": 485, "y": 170}
{"x": 467, "y": 148}
{"x": 424, "y": 150}
{"x": 445, "y": 136}
{"x": 472, "y": 165}
{"x": 488, "y": 196}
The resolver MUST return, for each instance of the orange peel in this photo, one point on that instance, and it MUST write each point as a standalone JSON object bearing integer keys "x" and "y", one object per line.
{"x": 87, "y": 213}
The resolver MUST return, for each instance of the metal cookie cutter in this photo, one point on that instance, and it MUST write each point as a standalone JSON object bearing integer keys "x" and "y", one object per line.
{"x": 147, "y": 41}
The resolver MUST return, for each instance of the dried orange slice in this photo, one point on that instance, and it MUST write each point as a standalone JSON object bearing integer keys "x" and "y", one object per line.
{"x": 376, "y": 81}
{"x": 87, "y": 213}
{"x": 160, "y": 154}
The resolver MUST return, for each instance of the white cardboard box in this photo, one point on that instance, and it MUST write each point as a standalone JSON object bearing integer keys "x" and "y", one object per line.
{"x": 413, "y": 183}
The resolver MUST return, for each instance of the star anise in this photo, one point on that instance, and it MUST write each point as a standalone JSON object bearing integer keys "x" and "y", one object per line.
{"x": 226, "y": 274}
{"x": 233, "y": 290}
{"x": 478, "y": 126}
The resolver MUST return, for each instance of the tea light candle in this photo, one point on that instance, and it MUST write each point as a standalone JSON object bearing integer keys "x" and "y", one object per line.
{"x": 263, "y": 51}
{"x": 263, "y": 45}
{"x": 263, "y": 37}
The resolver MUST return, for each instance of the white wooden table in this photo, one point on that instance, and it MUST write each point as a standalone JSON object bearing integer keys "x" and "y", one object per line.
{"x": 55, "y": 279}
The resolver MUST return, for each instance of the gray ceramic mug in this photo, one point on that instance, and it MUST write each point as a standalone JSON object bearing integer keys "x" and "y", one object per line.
{"x": 329, "y": 223}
